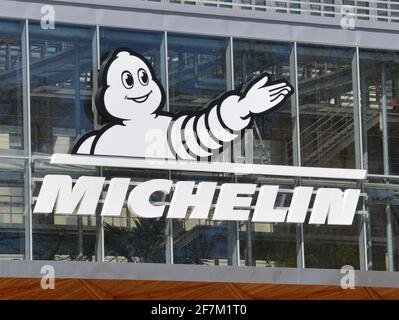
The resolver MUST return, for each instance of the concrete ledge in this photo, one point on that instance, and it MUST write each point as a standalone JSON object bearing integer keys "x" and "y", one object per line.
{"x": 168, "y": 272}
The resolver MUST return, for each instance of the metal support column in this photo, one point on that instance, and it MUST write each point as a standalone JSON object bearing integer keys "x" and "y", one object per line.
{"x": 357, "y": 111}
{"x": 76, "y": 81}
{"x": 27, "y": 141}
{"x": 96, "y": 67}
{"x": 385, "y": 148}
{"x": 384, "y": 118}
{"x": 389, "y": 231}
{"x": 165, "y": 83}
{"x": 359, "y": 152}
{"x": 296, "y": 146}
{"x": 363, "y": 243}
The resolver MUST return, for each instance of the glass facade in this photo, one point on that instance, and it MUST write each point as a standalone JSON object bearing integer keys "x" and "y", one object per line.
{"x": 61, "y": 86}
{"x": 344, "y": 115}
{"x": 12, "y": 196}
{"x": 273, "y": 133}
{"x": 326, "y": 106}
{"x": 11, "y": 96}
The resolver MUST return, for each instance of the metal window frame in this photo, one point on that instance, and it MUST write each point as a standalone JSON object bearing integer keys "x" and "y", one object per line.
{"x": 27, "y": 140}
{"x": 169, "y": 252}
{"x": 96, "y": 51}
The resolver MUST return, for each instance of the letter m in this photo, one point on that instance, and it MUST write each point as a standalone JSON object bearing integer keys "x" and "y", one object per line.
{"x": 338, "y": 206}
{"x": 57, "y": 189}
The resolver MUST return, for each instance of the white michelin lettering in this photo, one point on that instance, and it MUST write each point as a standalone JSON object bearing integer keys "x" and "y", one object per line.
{"x": 299, "y": 204}
{"x": 233, "y": 203}
{"x": 338, "y": 206}
{"x": 264, "y": 209}
{"x": 229, "y": 200}
{"x": 116, "y": 195}
{"x": 57, "y": 189}
{"x": 183, "y": 198}
{"x": 139, "y": 198}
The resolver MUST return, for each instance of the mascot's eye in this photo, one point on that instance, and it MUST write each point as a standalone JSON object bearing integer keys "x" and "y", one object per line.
{"x": 143, "y": 77}
{"x": 127, "y": 79}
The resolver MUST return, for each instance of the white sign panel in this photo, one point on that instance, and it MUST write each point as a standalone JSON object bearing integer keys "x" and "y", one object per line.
{"x": 139, "y": 134}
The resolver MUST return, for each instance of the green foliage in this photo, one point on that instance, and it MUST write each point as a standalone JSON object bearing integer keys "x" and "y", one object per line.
{"x": 144, "y": 242}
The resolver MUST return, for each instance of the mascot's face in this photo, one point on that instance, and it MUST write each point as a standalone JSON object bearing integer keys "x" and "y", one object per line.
{"x": 131, "y": 91}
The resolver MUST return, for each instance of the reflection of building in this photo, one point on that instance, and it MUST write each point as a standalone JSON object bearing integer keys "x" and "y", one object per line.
{"x": 345, "y": 115}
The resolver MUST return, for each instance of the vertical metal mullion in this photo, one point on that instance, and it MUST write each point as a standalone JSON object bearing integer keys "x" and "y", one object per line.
{"x": 96, "y": 67}
{"x": 230, "y": 86}
{"x": 230, "y": 71}
{"x": 76, "y": 81}
{"x": 365, "y": 241}
{"x": 385, "y": 146}
{"x": 389, "y": 232}
{"x": 363, "y": 244}
{"x": 237, "y": 249}
{"x": 296, "y": 139}
{"x": 296, "y": 146}
{"x": 357, "y": 112}
{"x": 359, "y": 151}
{"x": 300, "y": 247}
{"x": 226, "y": 154}
{"x": 165, "y": 81}
{"x": 165, "y": 67}
{"x": 27, "y": 141}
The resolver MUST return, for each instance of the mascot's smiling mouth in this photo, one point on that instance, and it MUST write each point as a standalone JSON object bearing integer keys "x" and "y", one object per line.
{"x": 139, "y": 99}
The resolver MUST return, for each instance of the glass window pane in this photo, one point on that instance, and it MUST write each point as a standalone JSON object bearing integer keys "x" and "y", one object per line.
{"x": 12, "y": 237}
{"x": 395, "y": 233}
{"x": 383, "y": 207}
{"x": 326, "y": 106}
{"x": 273, "y": 132}
{"x": 204, "y": 241}
{"x": 371, "y": 85}
{"x": 197, "y": 71}
{"x": 392, "y": 107}
{"x": 62, "y": 237}
{"x": 147, "y": 44}
{"x": 197, "y": 75}
{"x": 11, "y": 119}
{"x": 332, "y": 246}
{"x": 269, "y": 244}
{"x": 378, "y": 228}
{"x": 129, "y": 238}
{"x": 379, "y": 75}
{"x": 61, "y": 65}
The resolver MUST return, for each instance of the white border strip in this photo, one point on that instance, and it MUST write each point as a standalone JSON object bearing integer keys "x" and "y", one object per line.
{"x": 219, "y": 167}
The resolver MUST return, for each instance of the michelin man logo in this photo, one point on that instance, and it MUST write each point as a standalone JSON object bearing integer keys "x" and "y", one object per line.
{"x": 131, "y": 98}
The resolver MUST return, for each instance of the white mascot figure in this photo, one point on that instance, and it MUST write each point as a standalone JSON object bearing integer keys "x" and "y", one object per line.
{"x": 130, "y": 99}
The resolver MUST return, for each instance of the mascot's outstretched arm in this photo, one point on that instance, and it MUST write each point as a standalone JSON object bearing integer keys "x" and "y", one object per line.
{"x": 201, "y": 134}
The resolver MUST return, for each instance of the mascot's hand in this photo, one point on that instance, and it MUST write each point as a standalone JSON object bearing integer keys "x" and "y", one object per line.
{"x": 260, "y": 95}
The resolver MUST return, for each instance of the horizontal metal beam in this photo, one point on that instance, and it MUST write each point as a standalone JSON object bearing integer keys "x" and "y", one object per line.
{"x": 212, "y": 21}
{"x": 218, "y": 167}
